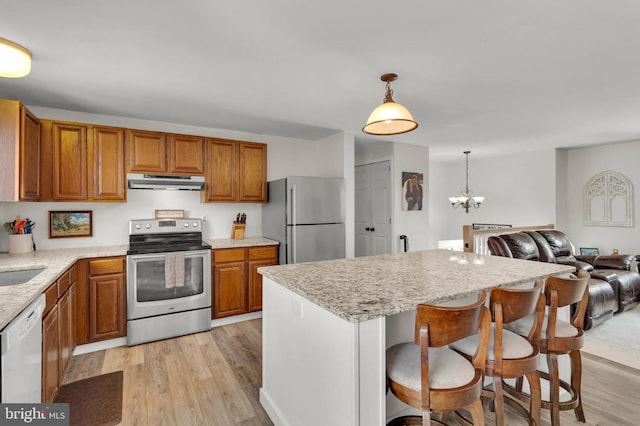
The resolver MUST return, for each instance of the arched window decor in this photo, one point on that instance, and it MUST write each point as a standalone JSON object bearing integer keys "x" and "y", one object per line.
{"x": 608, "y": 200}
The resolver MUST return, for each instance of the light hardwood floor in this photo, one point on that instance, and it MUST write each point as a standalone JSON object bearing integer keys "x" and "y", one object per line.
{"x": 213, "y": 378}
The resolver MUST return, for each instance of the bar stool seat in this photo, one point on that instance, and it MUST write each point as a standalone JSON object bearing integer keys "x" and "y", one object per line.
{"x": 426, "y": 374}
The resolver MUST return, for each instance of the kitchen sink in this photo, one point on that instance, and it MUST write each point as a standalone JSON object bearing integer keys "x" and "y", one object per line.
{"x": 8, "y": 278}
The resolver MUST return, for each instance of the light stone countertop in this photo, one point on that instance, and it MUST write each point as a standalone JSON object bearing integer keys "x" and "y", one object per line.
{"x": 13, "y": 299}
{"x": 363, "y": 288}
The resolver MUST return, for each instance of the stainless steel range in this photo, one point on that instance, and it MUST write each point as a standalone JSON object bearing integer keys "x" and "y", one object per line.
{"x": 168, "y": 279}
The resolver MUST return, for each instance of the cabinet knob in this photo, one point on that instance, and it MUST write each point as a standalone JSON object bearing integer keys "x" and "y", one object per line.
{"x": 367, "y": 229}
{"x": 373, "y": 229}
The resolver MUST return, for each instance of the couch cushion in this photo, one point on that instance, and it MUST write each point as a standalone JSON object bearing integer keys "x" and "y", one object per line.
{"x": 522, "y": 246}
{"x": 546, "y": 254}
{"x": 560, "y": 244}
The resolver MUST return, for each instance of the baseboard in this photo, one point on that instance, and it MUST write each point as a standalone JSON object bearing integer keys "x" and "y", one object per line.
{"x": 235, "y": 318}
{"x": 271, "y": 410}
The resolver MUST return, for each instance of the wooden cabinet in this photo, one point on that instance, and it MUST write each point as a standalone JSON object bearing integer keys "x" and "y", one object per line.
{"x": 82, "y": 162}
{"x": 258, "y": 257}
{"x": 58, "y": 332}
{"x": 235, "y": 172}
{"x": 106, "y": 299}
{"x": 108, "y": 164}
{"x": 19, "y": 153}
{"x": 237, "y": 287}
{"x": 161, "y": 153}
{"x": 50, "y": 355}
{"x": 229, "y": 283}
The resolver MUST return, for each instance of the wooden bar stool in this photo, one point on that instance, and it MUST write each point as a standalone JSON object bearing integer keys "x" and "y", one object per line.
{"x": 557, "y": 338}
{"x": 510, "y": 355}
{"x": 430, "y": 376}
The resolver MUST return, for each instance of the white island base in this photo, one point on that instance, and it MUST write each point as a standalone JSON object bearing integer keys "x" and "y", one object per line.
{"x": 319, "y": 369}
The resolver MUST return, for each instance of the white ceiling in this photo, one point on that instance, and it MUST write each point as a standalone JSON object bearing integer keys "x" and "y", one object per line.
{"x": 486, "y": 75}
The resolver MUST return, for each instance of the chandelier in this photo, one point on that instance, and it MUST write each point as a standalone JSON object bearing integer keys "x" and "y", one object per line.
{"x": 390, "y": 118}
{"x": 467, "y": 199}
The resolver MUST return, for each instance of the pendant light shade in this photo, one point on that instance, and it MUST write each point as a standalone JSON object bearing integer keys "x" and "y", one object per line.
{"x": 15, "y": 60}
{"x": 390, "y": 118}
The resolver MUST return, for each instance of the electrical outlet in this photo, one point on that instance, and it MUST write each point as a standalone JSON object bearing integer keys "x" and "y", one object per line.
{"x": 204, "y": 218}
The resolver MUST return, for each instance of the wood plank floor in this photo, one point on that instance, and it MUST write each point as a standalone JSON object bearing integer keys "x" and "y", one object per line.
{"x": 213, "y": 378}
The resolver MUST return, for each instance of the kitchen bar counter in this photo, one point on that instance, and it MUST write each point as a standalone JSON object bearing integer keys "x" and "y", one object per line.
{"x": 13, "y": 299}
{"x": 326, "y": 326}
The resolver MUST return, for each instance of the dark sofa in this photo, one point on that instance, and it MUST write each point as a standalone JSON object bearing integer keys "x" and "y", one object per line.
{"x": 613, "y": 287}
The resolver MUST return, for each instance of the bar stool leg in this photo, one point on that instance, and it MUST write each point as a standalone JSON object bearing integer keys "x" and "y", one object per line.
{"x": 499, "y": 400}
{"x": 576, "y": 382}
{"x": 477, "y": 413}
{"x": 535, "y": 404}
{"x": 554, "y": 392}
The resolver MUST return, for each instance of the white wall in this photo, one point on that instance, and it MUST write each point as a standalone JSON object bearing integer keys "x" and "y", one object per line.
{"x": 403, "y": 158}
{"x": 519, "y": 190}
{"x": 328, "y": 157}
{"x": 581, "y": 164}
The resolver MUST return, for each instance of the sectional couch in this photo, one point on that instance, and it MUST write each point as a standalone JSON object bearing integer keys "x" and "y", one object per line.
{"x": 613, "y": 287}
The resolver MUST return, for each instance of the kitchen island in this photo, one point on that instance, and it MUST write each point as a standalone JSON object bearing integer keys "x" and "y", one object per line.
{"x": 326, "y": 326}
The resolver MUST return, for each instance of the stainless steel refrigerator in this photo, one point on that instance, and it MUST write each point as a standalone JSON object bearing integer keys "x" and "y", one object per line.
{"x": 306, "y": 215}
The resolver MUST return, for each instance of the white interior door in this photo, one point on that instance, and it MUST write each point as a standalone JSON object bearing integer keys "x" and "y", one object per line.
{"x": 373, "y": 209}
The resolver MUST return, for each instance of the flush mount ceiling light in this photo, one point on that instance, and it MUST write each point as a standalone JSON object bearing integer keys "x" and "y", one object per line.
{"x": 467, "y": 200}
{"x": 390, "y": 118}
{"x": 15, "y": 60}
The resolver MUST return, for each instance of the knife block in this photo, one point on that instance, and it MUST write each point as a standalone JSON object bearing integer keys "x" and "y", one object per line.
{"x": 237, "y": 231}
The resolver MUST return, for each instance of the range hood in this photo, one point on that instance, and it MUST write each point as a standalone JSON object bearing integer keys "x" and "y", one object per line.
{"x": 149, "y": 181}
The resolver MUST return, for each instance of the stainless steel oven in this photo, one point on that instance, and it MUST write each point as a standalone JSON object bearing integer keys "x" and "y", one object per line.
{"x": 168, "y": 279}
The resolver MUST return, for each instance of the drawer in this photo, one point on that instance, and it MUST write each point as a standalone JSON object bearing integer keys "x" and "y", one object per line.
{"x": 106, "y": 266}
{"x": 63, "y": 283}
{"x": 266, "y": 252}
{"x": 51, "y": 296}
{"x": 228, "y": 255}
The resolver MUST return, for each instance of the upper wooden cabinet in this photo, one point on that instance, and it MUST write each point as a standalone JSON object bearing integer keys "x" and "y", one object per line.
{"x": 19, "y": 153}
{"x": 235, "y": 172}
{"x": 161, "y": 153}
{"x": 82, "y": 162}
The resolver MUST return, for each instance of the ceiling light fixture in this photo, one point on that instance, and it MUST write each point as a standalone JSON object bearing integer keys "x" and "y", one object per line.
{"x": 390, "y": 118}
{"x": 467, "y": 200}
{"x": 15, "y": 60}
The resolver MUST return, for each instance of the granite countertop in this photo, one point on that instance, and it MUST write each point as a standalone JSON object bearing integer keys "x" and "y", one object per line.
{"x": 13, "y": 299}
{"x": 363, "y": 288}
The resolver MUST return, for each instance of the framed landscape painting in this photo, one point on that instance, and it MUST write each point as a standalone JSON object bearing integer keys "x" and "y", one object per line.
{"x": 68, "y": 224}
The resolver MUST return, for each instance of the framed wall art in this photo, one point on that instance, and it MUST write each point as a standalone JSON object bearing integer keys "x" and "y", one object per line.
{"x": 70, "y": 224}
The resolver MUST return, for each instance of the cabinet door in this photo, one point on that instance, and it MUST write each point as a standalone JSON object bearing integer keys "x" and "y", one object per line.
{"x": 50, "y": 355}
{"x": 253, "y": 172}
{"x": 229, "y": 289}
{"x": 64, "y": 333}
{"x": 106, "y": 307}
{"x": 186, "y": 154}
{"x": 108, "y": 164}
{"x": 221, "y": 176}
{"x": 258, "y": 257}
{"x": 69, "y": 162}
{"x": 29, "y": 156}
{"x": 146, "y": 152}
{"x": 73, "y": 301}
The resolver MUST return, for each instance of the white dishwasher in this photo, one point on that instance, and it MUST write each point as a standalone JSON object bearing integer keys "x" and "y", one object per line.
{"x": 21, "y": 356}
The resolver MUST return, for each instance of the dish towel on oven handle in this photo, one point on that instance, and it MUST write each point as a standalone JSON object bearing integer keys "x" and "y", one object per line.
{"x": 174, "y": 270}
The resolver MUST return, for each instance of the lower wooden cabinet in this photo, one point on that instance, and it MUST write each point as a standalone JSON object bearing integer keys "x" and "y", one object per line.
{"x": 58, "y": 332}
{"x": 237, "y": 286}
{"x": 101, "y": 299}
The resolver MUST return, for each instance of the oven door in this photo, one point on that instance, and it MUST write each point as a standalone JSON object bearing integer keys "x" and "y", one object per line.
{"x": 151, "y": 290}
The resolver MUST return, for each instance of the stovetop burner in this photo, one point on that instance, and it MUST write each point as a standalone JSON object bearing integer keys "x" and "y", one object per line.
{"x": 162, "y": 236}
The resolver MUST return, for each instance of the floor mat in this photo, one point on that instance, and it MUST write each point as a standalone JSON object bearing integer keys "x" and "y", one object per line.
{"x": 96, "y": 401}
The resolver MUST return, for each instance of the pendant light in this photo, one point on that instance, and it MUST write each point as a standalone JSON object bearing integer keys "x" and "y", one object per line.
{"x": 390, "y": 118}
{"x": 467, "y": 200}
{"x": 15, "y": 60}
